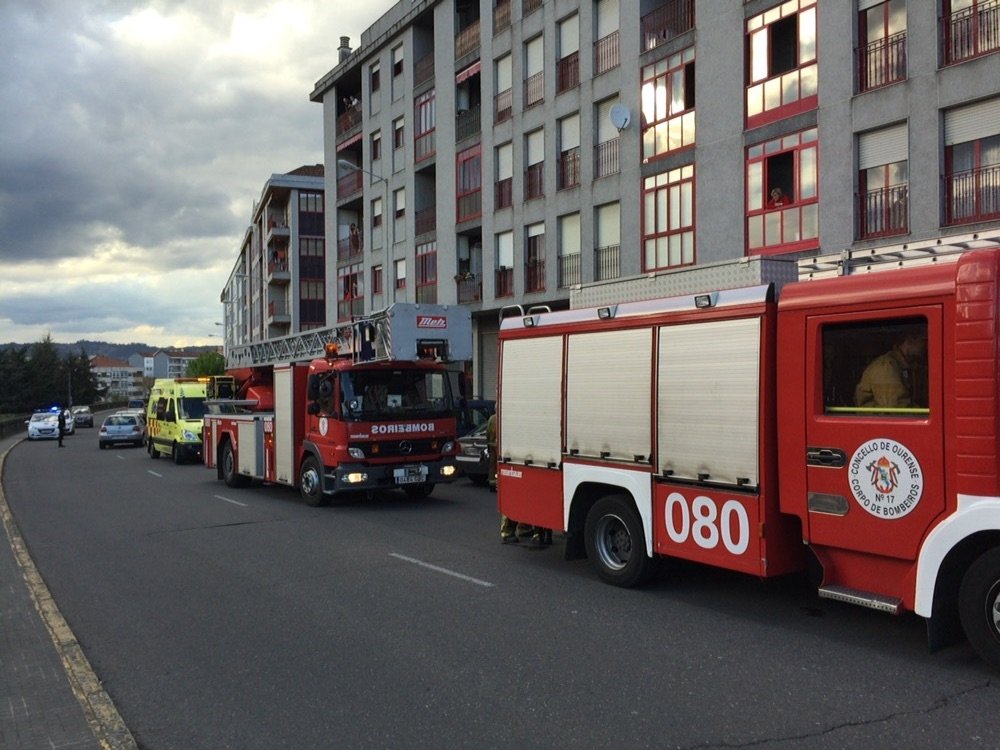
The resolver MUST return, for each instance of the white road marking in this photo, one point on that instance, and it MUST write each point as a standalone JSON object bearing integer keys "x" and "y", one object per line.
{"x": 150, "y": 471}
{"x": 234, "y": 502}
{"x": 447, "y": 572}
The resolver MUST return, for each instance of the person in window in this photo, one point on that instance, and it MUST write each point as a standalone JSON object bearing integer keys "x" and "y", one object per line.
{"x": 888, "y": 379}
{"x": 777, "y": 198}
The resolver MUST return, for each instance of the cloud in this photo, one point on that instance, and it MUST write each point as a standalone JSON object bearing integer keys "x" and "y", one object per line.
{"x": 136, "y": 137}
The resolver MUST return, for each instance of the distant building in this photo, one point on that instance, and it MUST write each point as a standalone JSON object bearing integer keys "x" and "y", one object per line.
{"x": 163, "y": 363}
{"x": 119, "y": 379}
{"x": 278, "y": 284}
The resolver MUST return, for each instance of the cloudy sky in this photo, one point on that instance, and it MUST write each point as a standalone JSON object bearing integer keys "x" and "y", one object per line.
{"x": 135, "y": 137}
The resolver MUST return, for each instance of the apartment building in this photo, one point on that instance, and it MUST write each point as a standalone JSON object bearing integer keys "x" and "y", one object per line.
{"x": 500, "y": 153}
{"x": 119, "y": 380}
{"x": 278, "y": 285}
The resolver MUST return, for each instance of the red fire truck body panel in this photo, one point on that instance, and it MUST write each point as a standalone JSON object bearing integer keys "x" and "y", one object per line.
{"x": 739, "y": 431}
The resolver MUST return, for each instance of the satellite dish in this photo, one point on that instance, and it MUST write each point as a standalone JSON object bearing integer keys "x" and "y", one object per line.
{"x": 620, "y": 117}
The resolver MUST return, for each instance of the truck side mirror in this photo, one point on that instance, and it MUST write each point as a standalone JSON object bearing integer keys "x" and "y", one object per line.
{"x": 312, "y": 392}
{"x": 313, "y": 408}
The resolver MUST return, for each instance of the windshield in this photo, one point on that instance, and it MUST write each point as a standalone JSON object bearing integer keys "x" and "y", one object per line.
{"x": 394, "y": 394}
{"x": 190, "y": 408}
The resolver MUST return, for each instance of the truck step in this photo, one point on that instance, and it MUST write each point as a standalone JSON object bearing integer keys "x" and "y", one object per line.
{"x": 889, "y": 604}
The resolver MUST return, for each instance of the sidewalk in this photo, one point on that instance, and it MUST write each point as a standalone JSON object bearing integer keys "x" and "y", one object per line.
{"x": 49, "y": 695}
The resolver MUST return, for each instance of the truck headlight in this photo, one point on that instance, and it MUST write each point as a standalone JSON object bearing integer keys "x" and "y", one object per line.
{"x": 355, "y": 477}
{"x": 448, "y": 448}
{"x": 447, "y": 471}
{"x": 356, "y": 453}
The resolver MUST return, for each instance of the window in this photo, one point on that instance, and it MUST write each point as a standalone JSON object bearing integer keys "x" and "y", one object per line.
{"x": 311, "y": 221}
{"x": 606, "y": 33}
{"x": 427, "y": 273}
{"x": 312, "y": 304}
{"x": 783, "y": 194}
{"x": 606, "y": 159}
{"x": 969, "y": 28}
{"x": 534, "y": 77}
{"x": 876, "y": 367}
{"x": 398, "y": 132}
{"x": 883, "y": 188}
{"x": 351, "y": 282}
{"x": 607, "y": 237}
{"x": 504, "y": 281}
{"x": 568, "y": 175}
{"x": 568, "y": 66}
{"x": 569, "y": 250}
{"x": 504, "y": 101}
{"x": 399, "y": 202}
{"x": 377, "y": 279}
{"x": 424, "y": 123}
{"x": 505, "y": 176}
{"x": 469, "y": 184}
{"x": 375, "y": 76}
{"x": 397, "y": 61}
{"x": 399, "y": 267}
{"x": 376, "y": 213}
{"x": 534, "y": 258}
{"x": 534, "y": 178}
{"x": 668, "y": 219}
{"x": 882, "y": 43}
{"x": 668, "y": 104}
{"x": 972, "y": 162}
{"x": 376, "y": 145}
{"x": 782, "y": 62}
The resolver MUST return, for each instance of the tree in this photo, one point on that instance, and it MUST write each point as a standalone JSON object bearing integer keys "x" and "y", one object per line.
{"x": 47, "y": 381}
{"x": 210, "y": 363}
{"x": 84, "y": 385}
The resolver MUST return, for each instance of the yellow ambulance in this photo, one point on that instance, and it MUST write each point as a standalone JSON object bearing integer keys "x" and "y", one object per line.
{"x": 174, "y": 418}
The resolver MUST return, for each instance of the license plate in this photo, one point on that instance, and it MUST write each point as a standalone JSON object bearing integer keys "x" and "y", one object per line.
{"x": 410, "y": 475}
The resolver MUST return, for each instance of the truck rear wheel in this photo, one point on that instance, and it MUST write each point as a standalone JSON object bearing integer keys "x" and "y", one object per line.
{"x": 311, "y": 483}
{"x": 979, "y": 606}
{"x": 615, "y": 543}
{"x": 230, "y": 475}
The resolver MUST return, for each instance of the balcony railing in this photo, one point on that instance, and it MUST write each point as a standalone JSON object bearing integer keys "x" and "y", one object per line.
{"x": 501, "y": 16}
{"x": 606, "y": 158}
{"x": 470, "y": 288}
{"x": 606, "y": 53}
{"x": 530, "y": 6}
{"x": 504, "y": 282}
{"x": 277, "y": 312}
{"x": 534, "y": 276}
{"x": 349, "y": 308}
{"x": 423, "y": 69}
{"x": 568, "y": 72}
{"x": 349, "y": 184}
{"x": 503, "y": 105}
{"x": 534, "y": 89}
{"x": 349, "y": 247}
{"x": 671, "y": 19}
{"x": 468, "y": 123}
{"x": 569, "y": 270}
{"x": 883, "y": 212}
{"x": 882, "y": 62}
{"x": 971, "y": 32}
{"x": 470, "y": 206}
{"x": 425, "y": 220}
{"x": 503, "y": 193}
{"x": 534, "y": 181}
{"x": 569, "y": 168}
{"x": 348, "y": 120}
{"x": 424, "y": 146}
{"x": 607, "y": 262}
{"x": 972, "y": 196}
{"x": 467, "y": 40}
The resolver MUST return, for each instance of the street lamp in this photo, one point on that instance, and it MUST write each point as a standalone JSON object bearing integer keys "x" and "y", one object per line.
{"x": 389, "y": 220}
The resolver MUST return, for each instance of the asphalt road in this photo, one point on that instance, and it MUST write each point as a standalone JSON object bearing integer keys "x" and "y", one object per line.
{"x": 220, "y": 618}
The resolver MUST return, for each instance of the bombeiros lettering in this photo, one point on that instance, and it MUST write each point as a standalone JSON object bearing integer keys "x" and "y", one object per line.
{"x": 402, "y": 429}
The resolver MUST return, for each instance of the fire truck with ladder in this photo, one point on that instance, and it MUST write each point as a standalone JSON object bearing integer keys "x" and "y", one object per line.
{"x": 341, "y": 411}
{"x": 720, "y": 415}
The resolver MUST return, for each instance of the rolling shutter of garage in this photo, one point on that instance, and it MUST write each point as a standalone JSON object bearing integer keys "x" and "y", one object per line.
{"x": 531, "y": 400}
{"x": 885, "y": 146}
{"x": 979, "y": 120}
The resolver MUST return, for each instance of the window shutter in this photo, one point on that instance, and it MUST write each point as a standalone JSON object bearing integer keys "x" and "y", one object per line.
{"x": 970, "y": 123}
{"x": 885, "y": 146}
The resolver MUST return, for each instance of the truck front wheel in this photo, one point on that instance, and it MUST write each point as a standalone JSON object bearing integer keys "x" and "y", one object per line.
{"x": 311, "y": 483}
{"x": 615, "y": 543}
{"x": 979, "y": 606}
{"x": 230, "y": 475}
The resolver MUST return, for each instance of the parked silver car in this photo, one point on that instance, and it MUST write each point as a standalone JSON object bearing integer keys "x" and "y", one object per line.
{"x": 120, "y": 428}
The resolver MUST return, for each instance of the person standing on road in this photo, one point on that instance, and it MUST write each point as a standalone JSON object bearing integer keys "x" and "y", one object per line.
{"x": 62, "y": 426}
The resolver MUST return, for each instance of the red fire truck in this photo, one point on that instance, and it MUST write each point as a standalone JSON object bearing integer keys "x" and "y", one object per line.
{"x": 344, "y": 411}
{"x": 735, "y": 427}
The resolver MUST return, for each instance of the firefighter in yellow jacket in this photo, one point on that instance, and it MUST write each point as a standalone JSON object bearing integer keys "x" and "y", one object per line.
{"x": 888, "y": 379}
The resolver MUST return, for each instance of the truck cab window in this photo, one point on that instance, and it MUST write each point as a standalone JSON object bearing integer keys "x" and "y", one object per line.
{"x": 876, "y": 368}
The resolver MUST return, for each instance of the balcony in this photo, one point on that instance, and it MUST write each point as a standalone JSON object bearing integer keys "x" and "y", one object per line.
{"x": 503, "y": 105}
{"x": 569, "y": 169}
{"x": 534, "y": 181}
{"x": 503, "y": 193}
{"x": 534, "y": 90}
{"x": 882, "y": 213}
{"x": 607, "y": 262}
{"x": 349, "y": 120}
{"x": 530, "y": 6}
{"x": 670, "y": 20}
{"x": 349, "y": 184}
{"x": 971, "y": 32}
{"x": 606, "y": 158}
{"x": 349, "y": 248}
{"x": 569, "y": 270}
{"x": 501, "y": 16}
{"x": 470, "y": 288}
{"x": 504, "y": 283}
{"x": 972, "y": 196}
{"x": 534, "y": 275}
{"x": 568, "y": 72}
{"x": 883, "y": 62}
{"x": 470, "y": 206}
{"x": 424, "y": 146}
{"x": 349, "y": 308}
{"x": 425, "y": 220}
{"x": 468, "y": 123}
{"x": 277, "y": 312}
{"x": 423, "y": 69}
{"x": 606, "y": 54}
{"x": 277, "y": 269}
{"x": 467, "y": 40}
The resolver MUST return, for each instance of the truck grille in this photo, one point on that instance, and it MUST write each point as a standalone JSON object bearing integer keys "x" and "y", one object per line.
{"x": 399, "y": 448}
